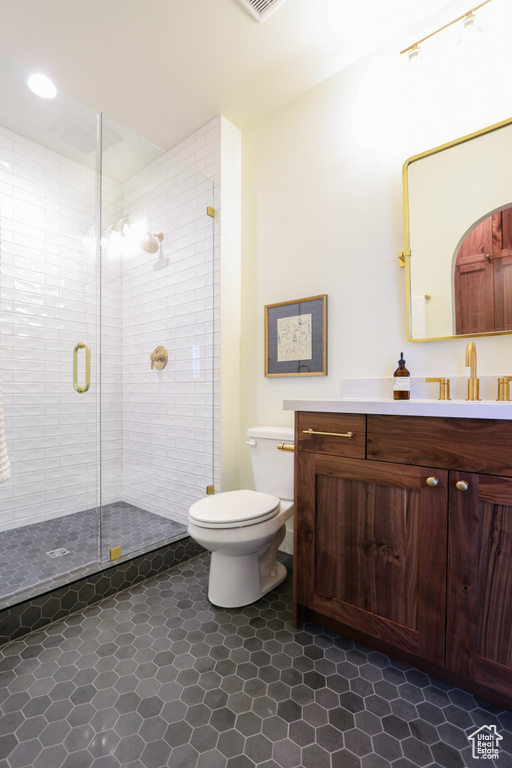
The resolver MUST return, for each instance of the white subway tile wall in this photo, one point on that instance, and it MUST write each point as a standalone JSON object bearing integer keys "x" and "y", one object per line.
{"x": 168, "y": 300}
{"x": 159, "y": 429}
{"x": 49, "y": 303}
{"x": 202, "y": 152}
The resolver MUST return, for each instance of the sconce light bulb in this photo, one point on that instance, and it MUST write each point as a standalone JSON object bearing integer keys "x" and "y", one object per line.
{"x": 415, "y": 53}
{"x": 473, "y": 29}
{"x": 469, "y": 20}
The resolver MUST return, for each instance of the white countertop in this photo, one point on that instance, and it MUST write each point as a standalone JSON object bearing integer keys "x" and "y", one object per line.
{"x": 375, "y": 396}
{"x": 460, "y": 409}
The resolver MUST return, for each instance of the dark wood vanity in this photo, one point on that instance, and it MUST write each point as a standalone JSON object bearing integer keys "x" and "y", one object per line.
{"x": 403, "y": 540}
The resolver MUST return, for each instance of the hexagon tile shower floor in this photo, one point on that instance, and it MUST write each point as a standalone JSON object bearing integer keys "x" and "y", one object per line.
{"x": 156, "y": 676}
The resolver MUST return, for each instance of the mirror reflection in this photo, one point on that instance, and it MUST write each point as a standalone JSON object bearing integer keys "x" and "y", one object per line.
{"x": 458, "y": 237}
{"x": 482, "y": 277}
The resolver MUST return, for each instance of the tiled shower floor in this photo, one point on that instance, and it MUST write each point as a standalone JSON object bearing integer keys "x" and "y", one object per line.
{"x": 24, "y": 561}
{"x": 157, "y": 677}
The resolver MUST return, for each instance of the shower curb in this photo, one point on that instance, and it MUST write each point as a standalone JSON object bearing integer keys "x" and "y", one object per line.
{"x": 61, "y": 601}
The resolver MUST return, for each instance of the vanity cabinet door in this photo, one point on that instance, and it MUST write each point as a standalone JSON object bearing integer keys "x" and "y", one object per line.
{"x": 370, "y": 549}
{"x": 479, "y": 615}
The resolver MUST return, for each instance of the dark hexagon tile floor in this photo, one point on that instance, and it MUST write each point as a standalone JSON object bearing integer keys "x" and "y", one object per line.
{"x": 24, "y": 551}
{"x": 156, "y": 677}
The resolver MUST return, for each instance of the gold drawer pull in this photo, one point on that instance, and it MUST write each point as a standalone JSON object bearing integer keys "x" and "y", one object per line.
{"x": 287, "y": 447}
{"x": 462, "y": 485}
{"x": 331, "y": 434}
{"x": 432, "y": 482}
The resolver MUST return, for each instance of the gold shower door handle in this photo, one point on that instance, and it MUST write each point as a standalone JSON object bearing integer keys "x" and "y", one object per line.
{"x": 82, "y": 345}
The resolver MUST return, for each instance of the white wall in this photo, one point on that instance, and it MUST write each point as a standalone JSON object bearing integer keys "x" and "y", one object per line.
{"x": 322, "y": 213}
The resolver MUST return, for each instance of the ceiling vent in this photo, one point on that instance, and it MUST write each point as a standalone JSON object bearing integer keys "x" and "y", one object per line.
{"x": 261, "y": 9}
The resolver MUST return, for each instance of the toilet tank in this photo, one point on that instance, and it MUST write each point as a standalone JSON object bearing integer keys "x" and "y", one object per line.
{"x": 272, "y": 469}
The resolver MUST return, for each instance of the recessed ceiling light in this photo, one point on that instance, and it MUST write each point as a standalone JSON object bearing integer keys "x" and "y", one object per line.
{"x": 42, "y": 86}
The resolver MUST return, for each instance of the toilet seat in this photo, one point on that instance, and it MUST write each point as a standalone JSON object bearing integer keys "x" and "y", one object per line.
{"x": 234, "y": 509}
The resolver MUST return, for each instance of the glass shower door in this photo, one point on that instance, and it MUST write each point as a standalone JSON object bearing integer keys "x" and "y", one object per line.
{"x": 157, "y": 341}
{"x": 49, "y": 326}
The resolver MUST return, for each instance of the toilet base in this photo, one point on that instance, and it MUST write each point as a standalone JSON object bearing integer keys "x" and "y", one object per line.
{"x": 236, "y": 581}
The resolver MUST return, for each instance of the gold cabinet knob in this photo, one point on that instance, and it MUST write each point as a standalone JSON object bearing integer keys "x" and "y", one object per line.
{"x": 432, "y": 482}
{"x": 461, "y": 485}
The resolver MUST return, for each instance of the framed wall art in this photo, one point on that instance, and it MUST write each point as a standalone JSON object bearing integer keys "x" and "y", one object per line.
{"x": 296, "y": 337}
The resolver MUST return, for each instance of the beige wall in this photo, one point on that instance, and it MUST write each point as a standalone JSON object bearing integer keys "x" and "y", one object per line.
{"x": 322, "y": 213}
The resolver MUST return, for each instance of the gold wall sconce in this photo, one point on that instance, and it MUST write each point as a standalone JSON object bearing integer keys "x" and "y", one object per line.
{"x": 468, "y": 20}
{"x": 159, "y": 358}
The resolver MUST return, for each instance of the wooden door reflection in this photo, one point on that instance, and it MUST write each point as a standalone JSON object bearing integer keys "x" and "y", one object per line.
{"x": 483, "y": 277}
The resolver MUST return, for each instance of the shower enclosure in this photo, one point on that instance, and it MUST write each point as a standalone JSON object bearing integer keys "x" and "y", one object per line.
{"x": 107, "y": 354}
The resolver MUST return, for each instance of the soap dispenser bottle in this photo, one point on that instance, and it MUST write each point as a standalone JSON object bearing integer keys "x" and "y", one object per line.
{"x": 402, "y": 386}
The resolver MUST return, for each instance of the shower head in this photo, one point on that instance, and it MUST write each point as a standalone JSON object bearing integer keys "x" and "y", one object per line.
{"x": 151, "y": 243}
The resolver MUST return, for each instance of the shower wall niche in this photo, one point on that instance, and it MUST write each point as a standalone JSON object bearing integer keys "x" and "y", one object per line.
{"x": 78, "y": 192}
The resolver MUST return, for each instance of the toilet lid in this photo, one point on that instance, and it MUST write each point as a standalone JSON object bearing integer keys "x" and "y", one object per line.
{"x": 234, "y": 509}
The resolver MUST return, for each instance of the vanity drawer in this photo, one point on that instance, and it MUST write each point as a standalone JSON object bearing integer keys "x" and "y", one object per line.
{"x": 336, "y": 443}
{"x": 473, "y": 445}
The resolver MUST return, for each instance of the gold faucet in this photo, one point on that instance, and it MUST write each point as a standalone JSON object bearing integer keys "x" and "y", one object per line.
{"x": 504, "y": 388}
{"x": 473, "y": 383}
{"x": 444, "y": 388}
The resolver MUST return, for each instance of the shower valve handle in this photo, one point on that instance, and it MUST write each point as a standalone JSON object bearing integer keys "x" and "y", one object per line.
{"x": 159, "y": 358}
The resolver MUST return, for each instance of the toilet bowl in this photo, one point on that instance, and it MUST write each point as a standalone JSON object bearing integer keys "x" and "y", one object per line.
{"x": 244, "y": 529}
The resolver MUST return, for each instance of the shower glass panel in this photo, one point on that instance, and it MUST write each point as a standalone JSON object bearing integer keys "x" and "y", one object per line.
{"x": 156, "y": 341}
{"x": 106, "y": 340}
{"x": 49, "y": 523}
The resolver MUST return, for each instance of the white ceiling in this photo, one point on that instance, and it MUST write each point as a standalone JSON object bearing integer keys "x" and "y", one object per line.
{"x": 163, "y": 68}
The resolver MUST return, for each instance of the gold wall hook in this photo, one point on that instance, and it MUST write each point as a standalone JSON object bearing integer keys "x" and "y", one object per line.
{"x": 159, "y": 358}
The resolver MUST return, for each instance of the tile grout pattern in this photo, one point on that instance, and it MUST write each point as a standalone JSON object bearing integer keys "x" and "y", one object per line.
{"x": 156, "y": 676}
{"x": 22, "y": 618}
{"x": 24, "y": 561}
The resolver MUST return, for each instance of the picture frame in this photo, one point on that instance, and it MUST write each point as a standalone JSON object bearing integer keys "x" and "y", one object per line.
{"x": 296, "y": 337}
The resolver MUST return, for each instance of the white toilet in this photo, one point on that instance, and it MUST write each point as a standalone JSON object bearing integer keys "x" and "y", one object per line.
{"x": 243, "y": 529}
